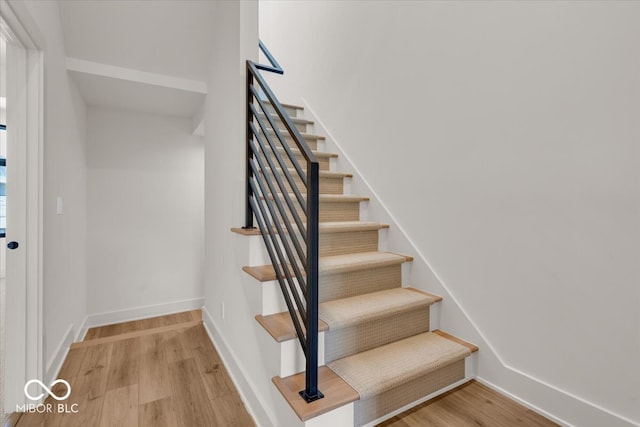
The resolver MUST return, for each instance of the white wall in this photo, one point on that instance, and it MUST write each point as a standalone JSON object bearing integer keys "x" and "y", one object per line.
{"x": 235, "y": 333}
{"x": 145, "y": 210}
{"x": 64, "y": 264}
{"x": 503, "y": 136}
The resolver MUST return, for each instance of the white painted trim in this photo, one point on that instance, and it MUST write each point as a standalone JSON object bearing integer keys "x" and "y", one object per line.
{"x": 245, "y": 389}
{"x": 137, "y": 313}
{"x": 55, "y": 363}
{"x": 24, "y": 27}
{"x": 17, "y": 16}
{"x": 588, "y": 410}
{"x": 130, "y": 74}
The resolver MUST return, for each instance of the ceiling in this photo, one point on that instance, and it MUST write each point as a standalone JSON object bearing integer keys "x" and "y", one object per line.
{"x": 170, "y": 38}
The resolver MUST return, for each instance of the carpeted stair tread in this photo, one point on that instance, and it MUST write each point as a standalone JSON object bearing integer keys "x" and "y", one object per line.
{"x": 318, "y": 154}
{"x": 304, "y": 135}
{"x": 346, "y": 312}
{"x": 383, "y": 368}
{"x": 336, "y": 264}
{"x": 329, "y": 198}
{"x": 298, "y": 120}
{"x": 327, "y": 227}
{"x": 284, "y": 104}
{"x": 358, "y": 261}
{"x": 348, "y": 226}
{"x": 323, "y": 174}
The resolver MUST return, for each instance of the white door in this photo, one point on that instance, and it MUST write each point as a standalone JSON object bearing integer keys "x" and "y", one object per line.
{"x": 15, "y": 314}
{"x": 22, "y": 346}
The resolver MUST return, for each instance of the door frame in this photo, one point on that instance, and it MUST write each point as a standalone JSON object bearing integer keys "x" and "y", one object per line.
{"x": 17, "y": 17}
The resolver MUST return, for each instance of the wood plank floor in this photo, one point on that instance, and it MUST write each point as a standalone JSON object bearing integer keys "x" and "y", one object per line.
{"x": 471, "y": 404}
{"x": 162, "y": 375}
{"x": 165, "y": 372}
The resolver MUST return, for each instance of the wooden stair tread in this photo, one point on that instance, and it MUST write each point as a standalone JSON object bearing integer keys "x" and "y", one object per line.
{"x": 284, "y": 104}
{"x": 280, "y": 326}
{"x": 349, "y": 226}
{"x": 472, "y": 347}
{"x": 322, "y": 173}
{"x": 293, "y": 119}
{"x": 336, "y": 391}
{"x": 327, "y": 227}
{"x": 318, "y": 154}
{"x": 335, "y": 264}
{"x": 303, "y": 134}
{"x": 331, "y": 198}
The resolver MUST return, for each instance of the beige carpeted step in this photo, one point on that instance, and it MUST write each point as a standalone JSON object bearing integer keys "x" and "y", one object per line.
{"x": 333, "y": 207}
{"x": 348, "y": 275}
{"x": 338, "y": 238}
{"x": 311, "y": 139}
{"x": 371, "y": 320}
{"x": 323, "y": 158}
{"x": 330, "y": 182}
{"x": 396, "y": 374}
{"x": 345, "y": 237}
{"x": 291, "y": 109}
{"x": 300, "y": 123}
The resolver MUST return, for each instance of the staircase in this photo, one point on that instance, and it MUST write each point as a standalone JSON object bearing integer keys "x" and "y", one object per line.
{"x": 379, "y": 347}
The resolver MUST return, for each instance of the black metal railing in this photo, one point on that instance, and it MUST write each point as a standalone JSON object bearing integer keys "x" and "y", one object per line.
{"x": 282, "y": 194}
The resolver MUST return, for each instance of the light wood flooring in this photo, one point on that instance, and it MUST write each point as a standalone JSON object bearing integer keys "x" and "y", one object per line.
{"x": 160, "y": 372}
{"x": 164, "y": 372}
{"x": 471, "y": 404}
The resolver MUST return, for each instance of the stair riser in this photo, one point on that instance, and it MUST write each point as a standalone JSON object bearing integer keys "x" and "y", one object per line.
{"x": 292, "y": 112}
{"x": 344, "y": 285}
{"x": 365, "y": 336}
{"x": 344, "y": 243}
{"x": 302, "y": 127}
{"x": 335, "y": 212}
{"x": 311, "y": 142}
{"x": 328, "y": 185}
{"x": 323, "y": 162}
{"x": 348, "y": 243}
{"x": 367, "y": 410}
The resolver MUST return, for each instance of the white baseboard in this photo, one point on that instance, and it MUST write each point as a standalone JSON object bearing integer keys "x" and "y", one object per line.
{"x": 55, "y": 363}
{"x": 247, "y": 393}
{"x": 137, "y": 313}
{"x": 589, "y": 413}
{"x": 513, "y": 382}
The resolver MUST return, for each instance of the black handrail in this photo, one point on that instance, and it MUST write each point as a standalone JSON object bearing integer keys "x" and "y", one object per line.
{"x": 275, "y": 67}
{"x": 293, "y": 250}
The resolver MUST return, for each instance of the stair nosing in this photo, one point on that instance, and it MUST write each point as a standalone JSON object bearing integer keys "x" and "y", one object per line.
{"x": 330, "y": 198}
{"x": 323, "y": 173}
{"x": 266, "y": 273}
{"x": 327, "y": 228}
{"x": 320, "y": 154}
{"x": 299, "y": 120}
{"x": 274, "y": 325}
{"x": 303, "y": 134}
{"x": 375, "y": 313}
{"x": 284, "y": 104}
